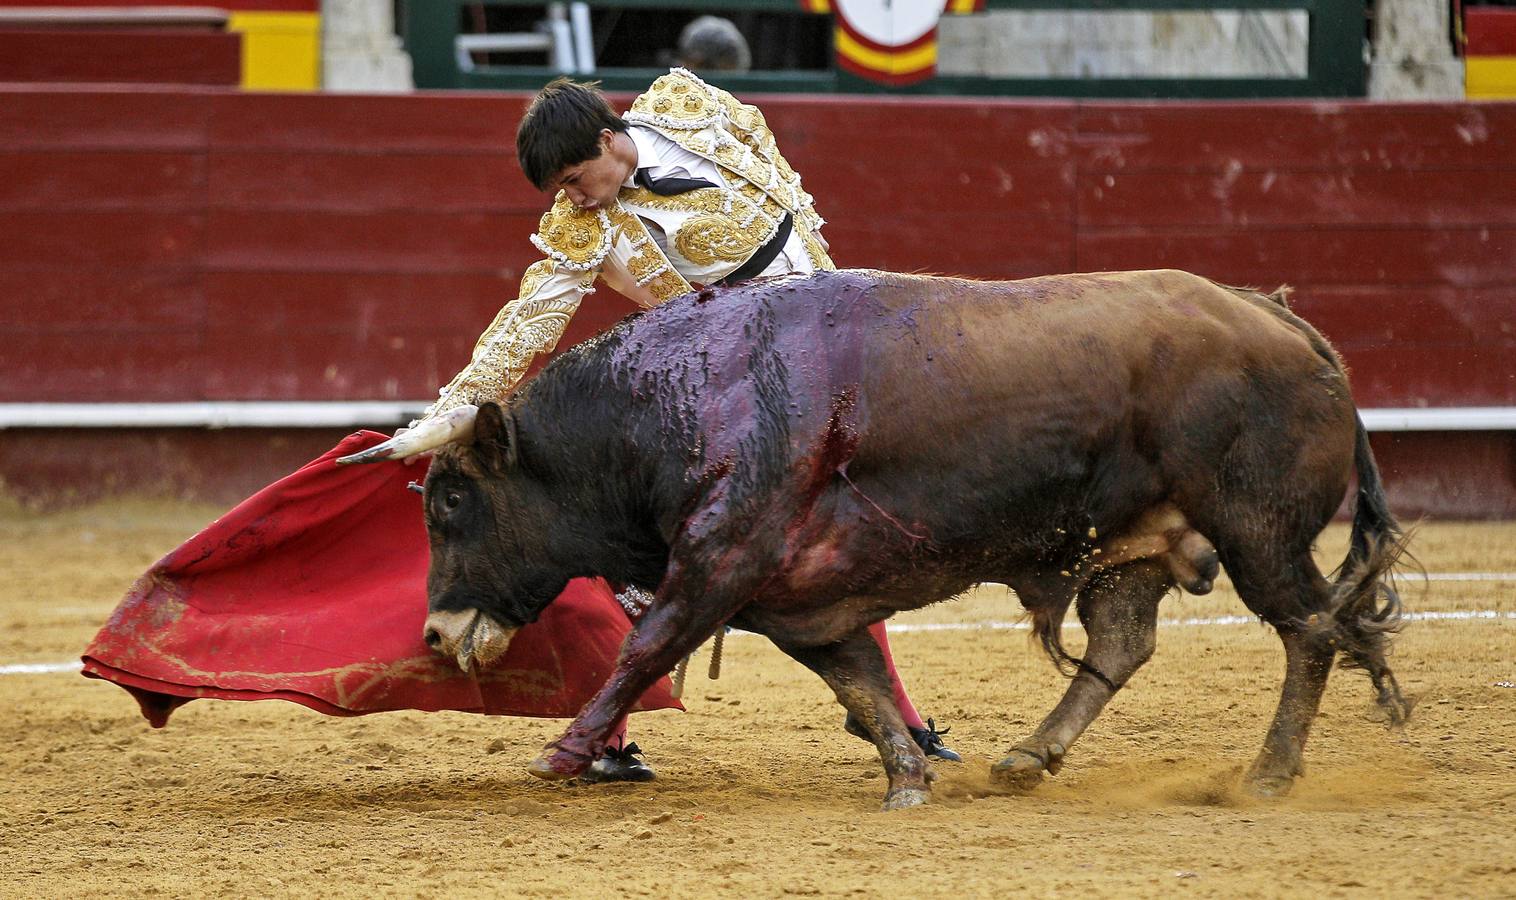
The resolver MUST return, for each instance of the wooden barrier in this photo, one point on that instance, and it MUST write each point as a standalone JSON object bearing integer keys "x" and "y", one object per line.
{"x": 209, "y": 245}
{"x": 116, "y": 56}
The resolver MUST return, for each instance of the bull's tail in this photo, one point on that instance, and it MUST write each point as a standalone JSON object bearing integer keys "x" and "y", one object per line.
{"x": 1365, "y": 607}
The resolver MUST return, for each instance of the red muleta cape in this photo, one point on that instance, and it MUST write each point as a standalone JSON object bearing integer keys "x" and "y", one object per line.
{"x": 314, "y": 590}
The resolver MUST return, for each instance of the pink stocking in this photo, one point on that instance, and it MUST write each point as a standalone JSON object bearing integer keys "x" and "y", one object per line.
{"x": 907, "y": 708}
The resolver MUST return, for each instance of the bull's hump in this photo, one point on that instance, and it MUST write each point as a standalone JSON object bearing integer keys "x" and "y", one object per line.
{"x": 737, "y": 320}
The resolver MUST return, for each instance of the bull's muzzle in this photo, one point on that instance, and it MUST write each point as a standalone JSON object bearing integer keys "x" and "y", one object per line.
{"x": 470, "y": 637}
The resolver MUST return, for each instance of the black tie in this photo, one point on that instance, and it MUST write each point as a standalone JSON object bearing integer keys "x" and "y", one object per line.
{"x": 668, "y": 187}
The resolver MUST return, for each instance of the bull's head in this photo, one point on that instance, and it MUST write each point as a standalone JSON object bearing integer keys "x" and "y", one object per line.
{"x": 493, "y": 564}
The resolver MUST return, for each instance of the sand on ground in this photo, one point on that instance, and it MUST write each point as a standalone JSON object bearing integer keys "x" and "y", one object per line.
{"x": 759, "y": 791}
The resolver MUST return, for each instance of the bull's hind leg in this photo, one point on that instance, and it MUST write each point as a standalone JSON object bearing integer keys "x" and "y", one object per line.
{"x": 1119, "y": 610}
{"x": 854, "y": 669}
{"x": 1290, "y": 594}
{"x": 1308, "y": 661}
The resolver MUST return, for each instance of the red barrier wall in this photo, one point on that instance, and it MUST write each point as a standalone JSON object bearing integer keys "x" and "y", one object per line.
{"x": 116, "y": 56}
{"x": 204, "y": 244}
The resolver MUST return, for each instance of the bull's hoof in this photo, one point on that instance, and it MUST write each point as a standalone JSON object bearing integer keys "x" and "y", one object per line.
{"x": 905, "y": 798}
{"x": 1022, "y": 768}
{"x": 1268, "y": 787}
{"x": 557, "y": 766}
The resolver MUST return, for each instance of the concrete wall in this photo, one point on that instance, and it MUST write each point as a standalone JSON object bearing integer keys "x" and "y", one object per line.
{"x": 1064, "y": 44}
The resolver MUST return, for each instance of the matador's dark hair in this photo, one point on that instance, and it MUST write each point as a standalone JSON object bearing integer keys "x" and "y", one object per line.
{"x": 562, "y": 128}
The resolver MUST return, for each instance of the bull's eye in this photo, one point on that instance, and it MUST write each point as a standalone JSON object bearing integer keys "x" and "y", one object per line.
{"x": 451, "y": 499}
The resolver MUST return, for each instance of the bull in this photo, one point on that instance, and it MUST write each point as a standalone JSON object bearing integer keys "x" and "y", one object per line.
{"x": 804, "y": 456}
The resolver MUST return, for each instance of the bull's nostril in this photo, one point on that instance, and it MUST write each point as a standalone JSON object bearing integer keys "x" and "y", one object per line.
{"x": 433, "y": 638}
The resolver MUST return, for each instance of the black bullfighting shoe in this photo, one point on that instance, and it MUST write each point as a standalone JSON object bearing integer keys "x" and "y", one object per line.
{"x": 618, "y": 764}
{"x": 929, "y": 739}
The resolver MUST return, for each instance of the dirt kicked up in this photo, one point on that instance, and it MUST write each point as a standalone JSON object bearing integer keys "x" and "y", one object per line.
{"x": 760, "y": 792}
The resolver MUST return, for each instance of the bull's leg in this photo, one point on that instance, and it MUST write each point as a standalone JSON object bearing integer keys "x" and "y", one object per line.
{"x": 1120, "y": 615}
{"x": 686, "y": 612}
{"x": 1308, "y": 661}
{"x": 854, "y": 669}
{"x": 1290, "y": 593}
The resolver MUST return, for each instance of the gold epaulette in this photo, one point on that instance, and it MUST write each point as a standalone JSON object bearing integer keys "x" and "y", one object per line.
{"x": 574, "y": 238}
{"x": 678, "y": 100}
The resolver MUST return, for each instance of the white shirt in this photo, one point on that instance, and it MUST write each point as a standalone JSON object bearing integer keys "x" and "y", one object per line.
{"x": 665, "y": 159}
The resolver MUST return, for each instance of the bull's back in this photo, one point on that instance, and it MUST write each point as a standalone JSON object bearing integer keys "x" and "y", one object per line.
{"x": 1074, "y": 348}
{"x": 1073, "y": 392}
{"x": 1015, "y": 399}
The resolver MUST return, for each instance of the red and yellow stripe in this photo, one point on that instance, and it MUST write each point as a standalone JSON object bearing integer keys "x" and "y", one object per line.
{"x": 1489, "y": 62}
{"x": 896, "y": 65}
{"x": 905, "y": 64}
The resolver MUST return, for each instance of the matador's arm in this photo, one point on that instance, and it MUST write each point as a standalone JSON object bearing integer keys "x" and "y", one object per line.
{"x": 529, "y": 325}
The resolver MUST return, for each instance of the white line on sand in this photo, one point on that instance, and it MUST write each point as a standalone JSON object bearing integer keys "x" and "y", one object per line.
{"x": 40, "y": 668}
{"x": 1459, "y": 615}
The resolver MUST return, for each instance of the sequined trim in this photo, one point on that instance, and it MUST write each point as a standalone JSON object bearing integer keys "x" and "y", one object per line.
{"x": 535, "y": 276}
{"x": 649, "y": 267}
{"x": 678, "y": 100}
{"x": 574, "y": 238}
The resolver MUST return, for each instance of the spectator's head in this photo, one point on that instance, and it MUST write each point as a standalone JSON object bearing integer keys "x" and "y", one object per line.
{"x": 565, "y": 125}
{"x": 713, "y": 44}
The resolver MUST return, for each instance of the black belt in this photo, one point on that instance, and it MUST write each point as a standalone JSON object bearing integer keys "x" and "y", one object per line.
{"x": 766, "y": 254}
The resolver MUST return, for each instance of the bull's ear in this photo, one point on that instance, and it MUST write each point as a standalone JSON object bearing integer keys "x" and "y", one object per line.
{"x": 495, "y": 438}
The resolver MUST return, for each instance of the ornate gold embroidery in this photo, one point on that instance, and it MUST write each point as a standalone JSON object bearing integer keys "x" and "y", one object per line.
{"x": 535, "y": 274}
{"x": 706, "y": 200}
{"x": 574, "y": 237}
{"x": 668, "y": 285}
{"x": 647, "y": 264}
{"x": 820, "y": 260}
{"x": 684, "y": 108}
{"x": 726, "y": 225}
{"x": 677, "y": 100}
{"x": 644, "y": 265}
{"x": 704, "y": 239}
{"x": 523, "y": 329}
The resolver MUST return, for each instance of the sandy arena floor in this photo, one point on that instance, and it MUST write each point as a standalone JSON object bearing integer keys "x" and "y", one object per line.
{"x": 760, "y": 793}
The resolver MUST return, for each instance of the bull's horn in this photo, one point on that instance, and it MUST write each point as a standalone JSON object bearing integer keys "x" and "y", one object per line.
{"x": 456, "y": 424}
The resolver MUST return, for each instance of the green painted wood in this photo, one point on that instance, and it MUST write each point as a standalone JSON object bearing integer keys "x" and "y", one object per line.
{"x": 1335, "y": 65}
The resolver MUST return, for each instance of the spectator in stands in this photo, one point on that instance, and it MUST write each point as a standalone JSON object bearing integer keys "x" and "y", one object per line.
{"x": 713, "y": 44}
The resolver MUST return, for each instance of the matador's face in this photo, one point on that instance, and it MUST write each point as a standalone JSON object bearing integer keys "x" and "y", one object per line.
{"x": 594, "y": 183}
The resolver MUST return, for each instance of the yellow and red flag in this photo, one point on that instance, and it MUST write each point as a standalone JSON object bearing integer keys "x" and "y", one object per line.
{"x": 892, "y": 42}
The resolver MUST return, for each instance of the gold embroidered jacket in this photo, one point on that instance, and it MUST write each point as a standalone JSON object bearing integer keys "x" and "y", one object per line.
{"x": 708, "y": 230}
